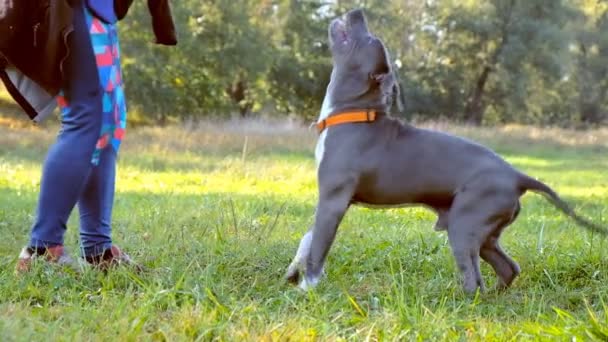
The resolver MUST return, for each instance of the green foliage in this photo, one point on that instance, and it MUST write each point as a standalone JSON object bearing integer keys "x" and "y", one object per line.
{"x": 301, "y": 67}
{"x": 480, "y": 61}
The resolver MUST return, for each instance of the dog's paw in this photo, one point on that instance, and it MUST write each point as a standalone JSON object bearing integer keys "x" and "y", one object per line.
{"x": 439, "y": 228}
{"x": 293, "y": 275}
{"x": 308, "y": 284}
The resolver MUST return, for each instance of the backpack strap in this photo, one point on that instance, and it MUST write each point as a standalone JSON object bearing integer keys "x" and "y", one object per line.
{"x": 13, "y": 91}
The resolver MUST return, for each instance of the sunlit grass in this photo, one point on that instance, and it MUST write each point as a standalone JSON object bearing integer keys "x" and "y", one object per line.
{"x": 215, "y": 212}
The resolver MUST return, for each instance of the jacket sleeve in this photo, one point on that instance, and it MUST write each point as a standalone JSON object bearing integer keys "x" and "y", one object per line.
{"x": 121, "y": 7}
{"x": 162, "y": 22}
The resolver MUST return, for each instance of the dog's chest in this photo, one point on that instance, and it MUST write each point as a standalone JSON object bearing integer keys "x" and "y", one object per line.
{"x": 320, "y": 149}
{"x": 326, "y": 109}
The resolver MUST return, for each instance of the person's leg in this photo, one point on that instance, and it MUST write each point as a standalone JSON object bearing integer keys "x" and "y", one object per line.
{"x": 95, "y": 206}
{"x": 68, "y": 163}
{"x": 96, "y": 201}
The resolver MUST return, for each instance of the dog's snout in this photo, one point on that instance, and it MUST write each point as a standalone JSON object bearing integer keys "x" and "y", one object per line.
{"x": 355, "y": 15}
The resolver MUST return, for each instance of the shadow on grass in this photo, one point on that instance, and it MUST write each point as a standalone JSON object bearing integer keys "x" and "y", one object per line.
{"x": 532, "y": 163}
{"x": 190, "y": 161}
{"x": 545, "y": 149}
{"x": 203, "y": 162}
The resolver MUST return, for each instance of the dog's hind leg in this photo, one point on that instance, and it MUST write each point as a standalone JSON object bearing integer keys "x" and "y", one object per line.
{"x": 466, "y": 233}
{"x": 506, "y": 268}
{"x": 465, "y": 247}
{"x": 474, "y": 216}
{"x": 475, "y": 223}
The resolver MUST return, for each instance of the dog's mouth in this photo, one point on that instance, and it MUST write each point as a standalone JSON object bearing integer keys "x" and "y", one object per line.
{"x": 340, "y": 34}
{"x": 350, "y": 27}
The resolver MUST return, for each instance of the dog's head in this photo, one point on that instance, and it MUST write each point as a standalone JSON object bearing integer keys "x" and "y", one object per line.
{"x": 360, "y": 60}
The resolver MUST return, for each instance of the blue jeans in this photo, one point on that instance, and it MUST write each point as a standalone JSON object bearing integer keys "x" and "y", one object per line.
{"x": 68, "y": 175}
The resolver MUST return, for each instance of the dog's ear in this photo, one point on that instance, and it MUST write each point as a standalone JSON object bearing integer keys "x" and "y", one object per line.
{"x": 399, "y": 97}
{"x": 390, "y": 87}
{"x": 385, "y": 81}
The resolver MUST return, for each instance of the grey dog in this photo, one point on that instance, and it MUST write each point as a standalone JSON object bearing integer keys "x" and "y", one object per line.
{"x": 366, "y": 157}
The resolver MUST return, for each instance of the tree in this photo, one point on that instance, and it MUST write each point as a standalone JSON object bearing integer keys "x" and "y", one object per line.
{"x": 591, "y": 55}
{"x": 478, "y": 61}
{"x": 216, "y": 68}
{"x": 499, "y": 42}
{"x": 302, "y": 65}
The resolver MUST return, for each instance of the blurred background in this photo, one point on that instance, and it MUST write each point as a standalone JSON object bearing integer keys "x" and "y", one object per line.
{"x": 489, "y": 62}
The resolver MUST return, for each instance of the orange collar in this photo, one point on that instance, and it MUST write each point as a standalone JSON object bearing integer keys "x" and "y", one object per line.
{"x": 347, "y": 117}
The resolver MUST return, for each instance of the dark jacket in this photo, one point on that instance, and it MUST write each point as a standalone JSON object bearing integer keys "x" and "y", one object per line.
{"x": 33, "y": 37}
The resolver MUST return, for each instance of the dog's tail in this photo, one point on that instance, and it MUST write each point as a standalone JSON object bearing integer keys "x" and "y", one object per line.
{"x": 529, "y": 183}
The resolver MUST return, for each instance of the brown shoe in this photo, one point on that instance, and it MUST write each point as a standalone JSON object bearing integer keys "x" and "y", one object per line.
{"x": 112, "y": 256}
{"x": 55, "y": 255}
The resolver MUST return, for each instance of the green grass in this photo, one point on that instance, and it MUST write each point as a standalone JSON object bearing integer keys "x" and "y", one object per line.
{"x": 216, "y": 225}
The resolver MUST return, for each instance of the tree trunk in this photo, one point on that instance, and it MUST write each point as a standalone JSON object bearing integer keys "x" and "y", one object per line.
{"x": 590, "y": 94}
{"x": 238, "y": 93}
{"x": 475, "y": 107}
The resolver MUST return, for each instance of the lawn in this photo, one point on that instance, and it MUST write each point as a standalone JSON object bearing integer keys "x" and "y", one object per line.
{"x": 215, "y": 211}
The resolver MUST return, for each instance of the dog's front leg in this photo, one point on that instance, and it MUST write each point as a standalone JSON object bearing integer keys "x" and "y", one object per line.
{"x": 297, "y": 264}
{"x": 315, "y": 244}
{"x": 329, "y": 214}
